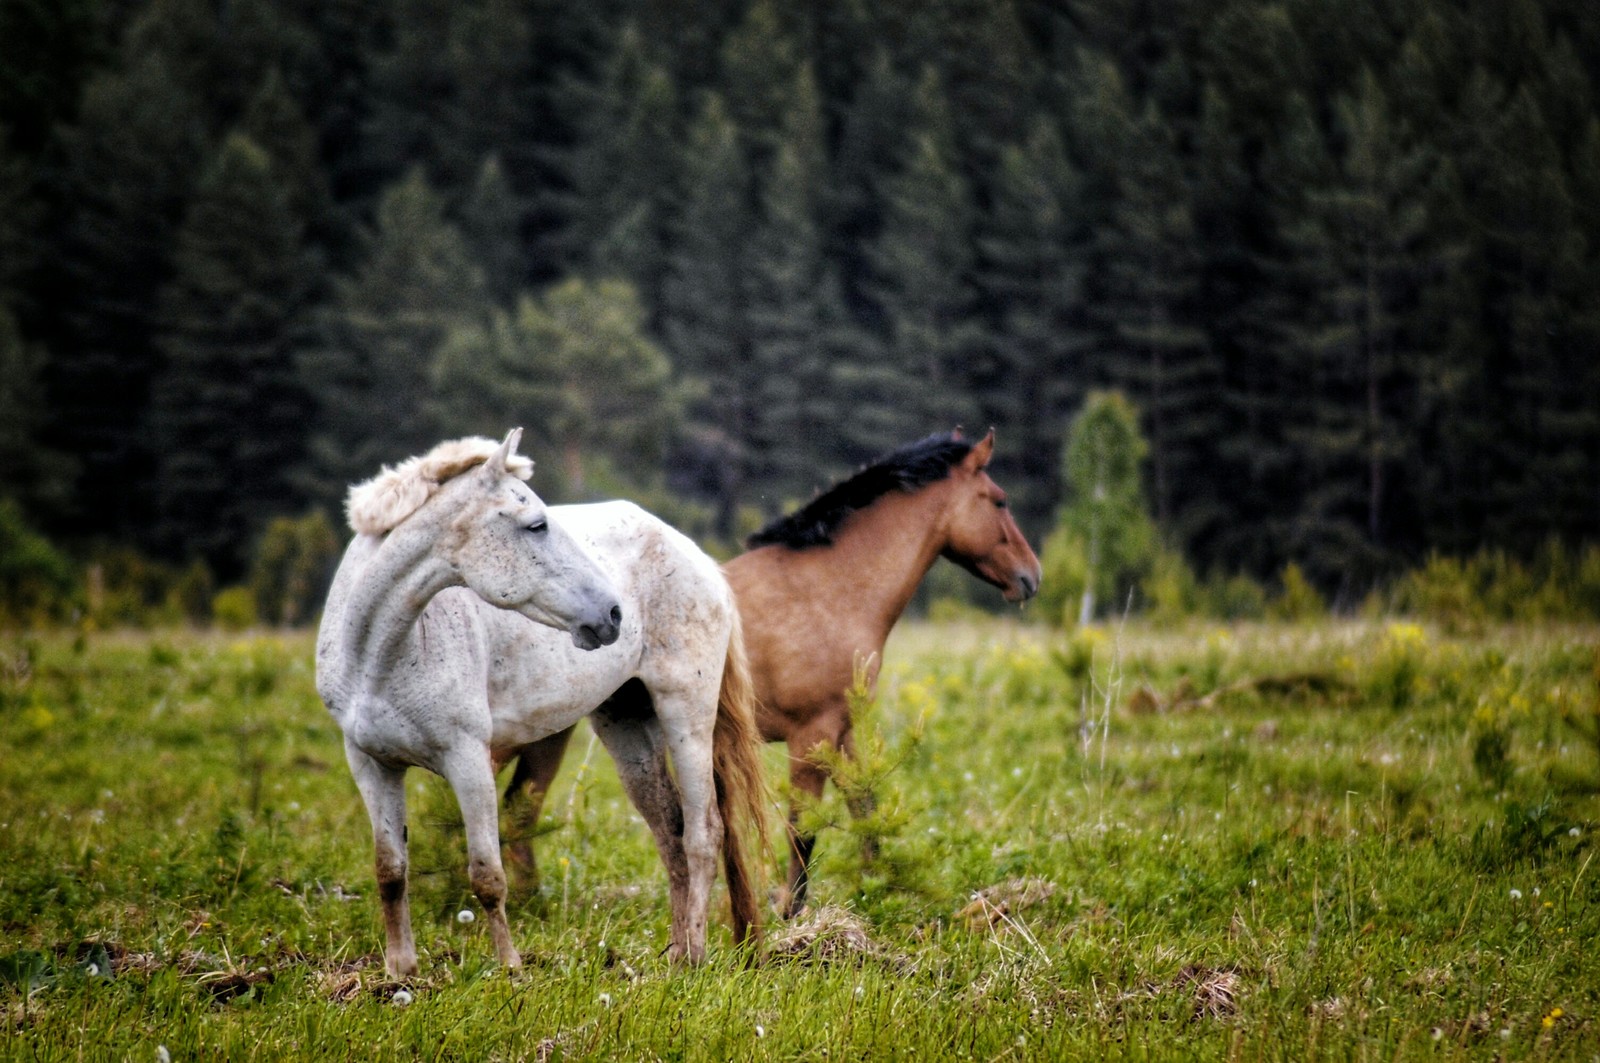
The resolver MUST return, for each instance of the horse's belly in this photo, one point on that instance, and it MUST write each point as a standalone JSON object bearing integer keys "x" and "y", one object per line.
{"x": 540, "y": 683}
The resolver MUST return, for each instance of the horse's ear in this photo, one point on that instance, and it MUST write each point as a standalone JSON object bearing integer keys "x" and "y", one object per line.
{"x": 981, "y": 452}
{"x": 496, "y": 465}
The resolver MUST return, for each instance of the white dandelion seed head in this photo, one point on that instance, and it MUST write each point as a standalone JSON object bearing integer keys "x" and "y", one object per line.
{"x": 605, "y": 1000}
{"x": 402, "y": 998}
{"x": 162, "y": 1055}
{"x": 94, "y": 970}
{"x": 1574, "y": 832}
{"x": 1516, "y": 894}
{"x": 761, "y": 1031}
{"x": 465, "y": 916}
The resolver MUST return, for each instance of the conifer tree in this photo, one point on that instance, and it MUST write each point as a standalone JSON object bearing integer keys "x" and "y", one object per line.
{"x": 623, "y": 169}
{"x": 705, "y": 308}
{"x": 1360, "y": 239}
{"x": 1034, "y": 262}
{"x": 369, "y": 369}
{"x": 128, "y": 167}
{"x": 922, "y": 263}
{"x": 574, "y": 367}
{"x": 229, "y": 411}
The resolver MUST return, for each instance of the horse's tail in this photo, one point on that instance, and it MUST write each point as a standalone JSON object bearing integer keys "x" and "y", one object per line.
{"x": 741, "y": 787}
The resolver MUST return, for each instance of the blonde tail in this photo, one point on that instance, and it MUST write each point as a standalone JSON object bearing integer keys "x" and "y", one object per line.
{"x": 741, "y": 786}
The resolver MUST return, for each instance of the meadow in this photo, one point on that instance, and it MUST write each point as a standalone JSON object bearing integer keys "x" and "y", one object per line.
{"x": 1330, "y": 841}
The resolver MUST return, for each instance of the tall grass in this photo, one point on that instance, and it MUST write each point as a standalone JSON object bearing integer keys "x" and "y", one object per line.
{"x": 1323, "y": 841}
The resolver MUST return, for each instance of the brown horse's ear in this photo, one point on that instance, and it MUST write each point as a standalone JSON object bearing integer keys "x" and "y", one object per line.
{"x": 981, "y": 452}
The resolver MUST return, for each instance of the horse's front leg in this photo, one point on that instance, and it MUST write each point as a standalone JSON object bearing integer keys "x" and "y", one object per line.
{"x": 383, "y": 790}
{"x": 471, "y": 776}
{"x": 806, "y": 779}
{"x": 536, "y": 769}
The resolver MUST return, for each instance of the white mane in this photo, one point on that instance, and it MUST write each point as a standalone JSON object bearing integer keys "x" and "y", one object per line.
{"x": 376, "y": 506}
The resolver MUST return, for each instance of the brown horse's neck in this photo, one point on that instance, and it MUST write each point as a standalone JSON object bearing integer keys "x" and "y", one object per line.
{"x": 888, "y": 547}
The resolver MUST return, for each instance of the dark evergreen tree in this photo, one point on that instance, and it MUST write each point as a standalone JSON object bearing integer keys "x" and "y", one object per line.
{"x": 229, "y": 413}
{"x": 1360, "y": 240}
{"x": 491, "y": 221}
{"x": 622, "y": 170}
{"x": 1034, "y": 364}
{"x": 128, "y": 168}
{"x": 922, "y": 264}
{"x": 369, "y": 369}
{"x": 1145, "y": 294}
{"x": 705, "y": 310}
{"x": 575, "y": 368}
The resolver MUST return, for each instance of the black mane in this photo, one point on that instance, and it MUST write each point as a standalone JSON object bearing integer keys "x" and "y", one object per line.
{"x": 913, "y": 466}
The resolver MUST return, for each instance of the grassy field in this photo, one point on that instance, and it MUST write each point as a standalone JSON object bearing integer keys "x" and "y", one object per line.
{"x": 1287, "y": 843}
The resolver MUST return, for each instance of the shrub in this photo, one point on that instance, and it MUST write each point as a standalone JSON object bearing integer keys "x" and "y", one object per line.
{"x": 1171, "y": 592}
{"x": 234, "y": 609}
{"x": 1299, "y": 600}
{"x": 291, "y": 566}
{"x": 36, "y": 580}
{"x": 1236, "y": 597}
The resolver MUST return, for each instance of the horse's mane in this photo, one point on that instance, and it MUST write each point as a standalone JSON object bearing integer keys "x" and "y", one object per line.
{"x": 907, "y": 469}
{"x": 377, "y": 506}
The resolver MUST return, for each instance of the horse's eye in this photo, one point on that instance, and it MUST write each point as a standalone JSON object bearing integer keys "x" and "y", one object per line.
{"x": 539, "y": 526}
{"x": 999, "y": 503}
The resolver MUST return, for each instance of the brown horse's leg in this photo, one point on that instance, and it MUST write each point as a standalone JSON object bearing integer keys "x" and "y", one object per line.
{"x": 536, "y": 769}
{"x": 807, "y": 777}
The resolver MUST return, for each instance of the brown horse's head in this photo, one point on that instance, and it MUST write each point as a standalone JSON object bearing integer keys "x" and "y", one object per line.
{"x": 983, "y": 537}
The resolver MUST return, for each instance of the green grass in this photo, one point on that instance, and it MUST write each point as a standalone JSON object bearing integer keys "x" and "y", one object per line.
{"x": 1280, "y": 843}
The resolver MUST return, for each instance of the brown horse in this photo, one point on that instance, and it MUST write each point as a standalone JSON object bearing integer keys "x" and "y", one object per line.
{"x": 821, "y": 589}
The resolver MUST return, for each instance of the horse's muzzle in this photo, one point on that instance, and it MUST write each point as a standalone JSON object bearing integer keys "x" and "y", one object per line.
{"x": 1024, "y": 585}
{"x": 600, "y": 633}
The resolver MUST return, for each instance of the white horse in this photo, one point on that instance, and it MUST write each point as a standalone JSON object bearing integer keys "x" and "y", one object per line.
{"x": 467, "y": 620}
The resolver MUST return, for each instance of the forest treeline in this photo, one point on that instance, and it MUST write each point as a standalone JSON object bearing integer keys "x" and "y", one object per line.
{"x": 1344, "y": 259}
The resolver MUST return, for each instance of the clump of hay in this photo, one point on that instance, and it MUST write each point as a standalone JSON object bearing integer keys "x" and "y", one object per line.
{"x": 827, "y": 935}
{"x": 1215, "y": 991}
{"x": 992, "y": 904}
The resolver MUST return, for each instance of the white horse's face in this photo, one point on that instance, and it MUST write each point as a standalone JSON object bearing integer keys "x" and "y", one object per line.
{"x": 512, "y": 555}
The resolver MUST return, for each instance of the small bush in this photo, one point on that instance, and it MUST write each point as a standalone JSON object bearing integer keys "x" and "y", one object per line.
{"x": 1171, "y": 592}
{"x": 291, "y": 566}
{"x": 36, "y": 580}
{"x": 1299, "y": 600}
{"x": 234, "y": 609}
{"x": 1236, "y": 597}
{"x": 1065, "y": 572}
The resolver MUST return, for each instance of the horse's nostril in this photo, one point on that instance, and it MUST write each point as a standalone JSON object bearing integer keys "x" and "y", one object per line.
{"x": 616, "y": 614}
{"x": 1029, "y": 585}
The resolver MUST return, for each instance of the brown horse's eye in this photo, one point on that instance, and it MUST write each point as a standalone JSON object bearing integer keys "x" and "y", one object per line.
{"x": 999, "y": 503}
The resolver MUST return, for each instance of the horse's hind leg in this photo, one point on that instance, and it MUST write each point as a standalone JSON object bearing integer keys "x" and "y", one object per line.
{"x": 472, "y": 777}
{"x": 688, "y": 730}
{"x": 536, "y": 769}
{"x": 627, "y": 725}
{"x": 383, "y": 790}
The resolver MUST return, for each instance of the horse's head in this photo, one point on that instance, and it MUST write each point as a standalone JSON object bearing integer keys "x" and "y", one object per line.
{"x": 511, "y": 554}
{"x": 983, "y": 537}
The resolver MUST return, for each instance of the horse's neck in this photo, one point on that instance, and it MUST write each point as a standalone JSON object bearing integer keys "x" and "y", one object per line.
{"x": 889, "y": 546}
{"x": 382, "y": 606}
